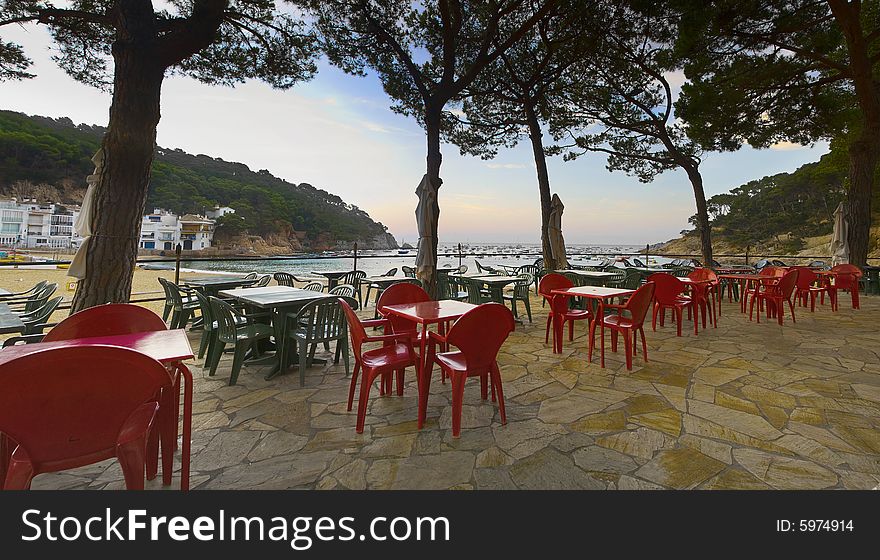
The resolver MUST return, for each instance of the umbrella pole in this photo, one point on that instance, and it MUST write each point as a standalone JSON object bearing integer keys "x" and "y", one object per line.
{"x": 459, "y": 255}
{"x": 355, "y": 256}
{"x": 177, "y": 263}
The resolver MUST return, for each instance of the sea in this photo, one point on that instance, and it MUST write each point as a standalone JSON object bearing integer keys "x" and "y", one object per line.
{"x": 379, "y": 262}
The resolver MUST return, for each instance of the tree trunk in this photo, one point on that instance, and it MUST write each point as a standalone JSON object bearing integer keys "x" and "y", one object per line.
{"x": 120, "y": 194}
{"x": 536, "y": 136}
{"x": 702, "y": 215}
{"x": 434, "y": 160}
{"x": 864, "y": 155}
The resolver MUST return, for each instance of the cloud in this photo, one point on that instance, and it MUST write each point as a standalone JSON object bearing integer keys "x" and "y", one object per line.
{"x": 786, "y": 146}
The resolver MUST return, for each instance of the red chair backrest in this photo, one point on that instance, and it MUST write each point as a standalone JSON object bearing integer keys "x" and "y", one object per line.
{"x": 773, "y": 271}
{"x": 667, "y": 287}
{"x": 401, "y": 293}
{"x": 355, "y": 328}
{"x": 786, "y": 284}
{"x": 850, "y": 268}
{"x": 480, "y": 332}
{"x": 702, "y": 274}
{"x": 805, "y": 278}
{"x": 847, "y": 277}
{"x": 640, "y": 302}
{"x": 64, "y": 404}
{"x": 106, "y": 320}
{"x": 553, "y": 281}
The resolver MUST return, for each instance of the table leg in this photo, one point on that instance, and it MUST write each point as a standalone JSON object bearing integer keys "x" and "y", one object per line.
{"x": 426, "y": 366}
{"x": 280, "y": 346}
{"x": 600, "y": 316}
{"x": 186, "y": 446}
{"x": 558, "y": 304}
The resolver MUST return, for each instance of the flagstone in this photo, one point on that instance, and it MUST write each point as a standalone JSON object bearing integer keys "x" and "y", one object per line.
{"x": 276, "y": 443}
{"x": 572, "y": 441}
{"x": 641, "y": 442}
{"x": 493, "y": 479}
{"x": 226, "y": 449}
{"x": 549, "y": 469}
{"x": 434, "y": 472}
{"x": 820, "y": 435}
{"x": 749, "y": 424}
{"x": 598, "y": 458}
{"x": 680, "y": 468}
{"x": 708, "y": 447}
{"x": 391, "y": 446}
{"x": 718, "y": 376}
{"x": 677, "y": 396}
{"x": 734, "y": 479}
{"x": 337, "y": 438}
{"x": 569, "y": 407}
{"x": 667, "y": 421}
{"x": 812, "y": 416}
{"x": 492, "y": 457}
{"x": 785, "y": 473}
{"x": 727, "y": 400}
{"x": 611, "y": 421}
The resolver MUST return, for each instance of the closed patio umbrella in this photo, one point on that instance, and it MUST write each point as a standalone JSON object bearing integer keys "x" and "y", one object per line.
{"x": 83, "y": 224}
{"x": 839, "y": 246}
{"x": 427, "y": 211}
{"x": 554, "y": 230}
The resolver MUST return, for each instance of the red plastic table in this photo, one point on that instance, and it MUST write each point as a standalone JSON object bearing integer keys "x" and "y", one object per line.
{"x": 168, "y": 347}
{"x": 426, "y": 313}
{"x": 745, "y": 280}
{"x": 559, "y": 304}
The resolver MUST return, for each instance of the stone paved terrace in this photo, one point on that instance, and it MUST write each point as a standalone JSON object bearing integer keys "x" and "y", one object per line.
{"x": 742, "y": 406}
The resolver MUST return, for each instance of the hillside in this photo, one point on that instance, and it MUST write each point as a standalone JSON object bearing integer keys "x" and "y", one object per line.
{"x": 787, "y": 213}
{"x": 49, "y": 159}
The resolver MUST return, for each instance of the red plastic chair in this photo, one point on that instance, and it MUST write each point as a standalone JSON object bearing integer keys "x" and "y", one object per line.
{"x": 394, "y": 295}
{"x": 846, "y": 278}
{"x": 71, "y": 407}
{"x": 668, "y": 295}
{"x": 555, "y": 281}
{"x": 106, "y": 320}
{"x": 393, "y": 357}
{"x": 478, "y": 335}
{"x": 809, "y": 286}
{"x": 707, "y": 288}
{"x": 775, "y": 296}
{"x": 637, "y": 307}
{"x": 126, "y": 318}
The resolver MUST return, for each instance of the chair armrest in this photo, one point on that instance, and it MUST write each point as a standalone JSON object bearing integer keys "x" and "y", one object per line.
{"x": 375, "y": 323}
{"x": 436, "y": 337}
{"x": 390, "y": 337}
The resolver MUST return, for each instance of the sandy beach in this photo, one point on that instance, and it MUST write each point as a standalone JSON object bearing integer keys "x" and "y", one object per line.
{"x": 145, "y": 285}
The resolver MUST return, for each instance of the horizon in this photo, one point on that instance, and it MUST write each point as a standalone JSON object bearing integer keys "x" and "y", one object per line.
{"x": 289, "y": 133}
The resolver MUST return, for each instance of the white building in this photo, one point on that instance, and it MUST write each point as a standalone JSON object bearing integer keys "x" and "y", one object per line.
{"x": 163, "y": 230}
{"x": 219, "y": 212}
{"x": 37, "y": 226}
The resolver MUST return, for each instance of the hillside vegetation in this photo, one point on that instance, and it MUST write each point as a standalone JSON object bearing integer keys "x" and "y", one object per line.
{"x": 50, "y": 158}
{"x": 787, "y": 213}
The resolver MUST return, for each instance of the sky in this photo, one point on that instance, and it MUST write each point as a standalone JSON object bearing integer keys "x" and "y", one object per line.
{"x": 337, "y": 133}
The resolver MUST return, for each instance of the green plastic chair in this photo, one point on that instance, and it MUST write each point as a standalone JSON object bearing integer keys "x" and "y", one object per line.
{"x": 408, "y": 271}
{"x": 476, "y": 295}
{"x": 379, "y": 289}
{"x": 284, "y": 279}
{"x": 354, "y": 279}
{"x": 531, "y": 269}
{"x": 616, "y": 281}
{"x": 319, "y": 322}
{"x": 521, "y": 291}
{"x": 209, "y": 325}
{"x": 263, "y": 281}
{"x": 633, "y": 279}
{"x": 236, "y": 329}
{"x": 37, "y": 320}
{"x": 37, "y": 300}
{"x": 11, "y": 298}
{"x": 343, "y": 290}
{"x": 449, "y": 288}
{"x": 183, "y": 304}
{"x": 251, "y": 276}
{"x": 314, "y": 287}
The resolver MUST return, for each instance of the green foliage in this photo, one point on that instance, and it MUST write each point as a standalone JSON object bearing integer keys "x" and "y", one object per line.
{"x": 43, "y": 150}
{"x": 214, "y": 41}
{"x": 784, "y": 208}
